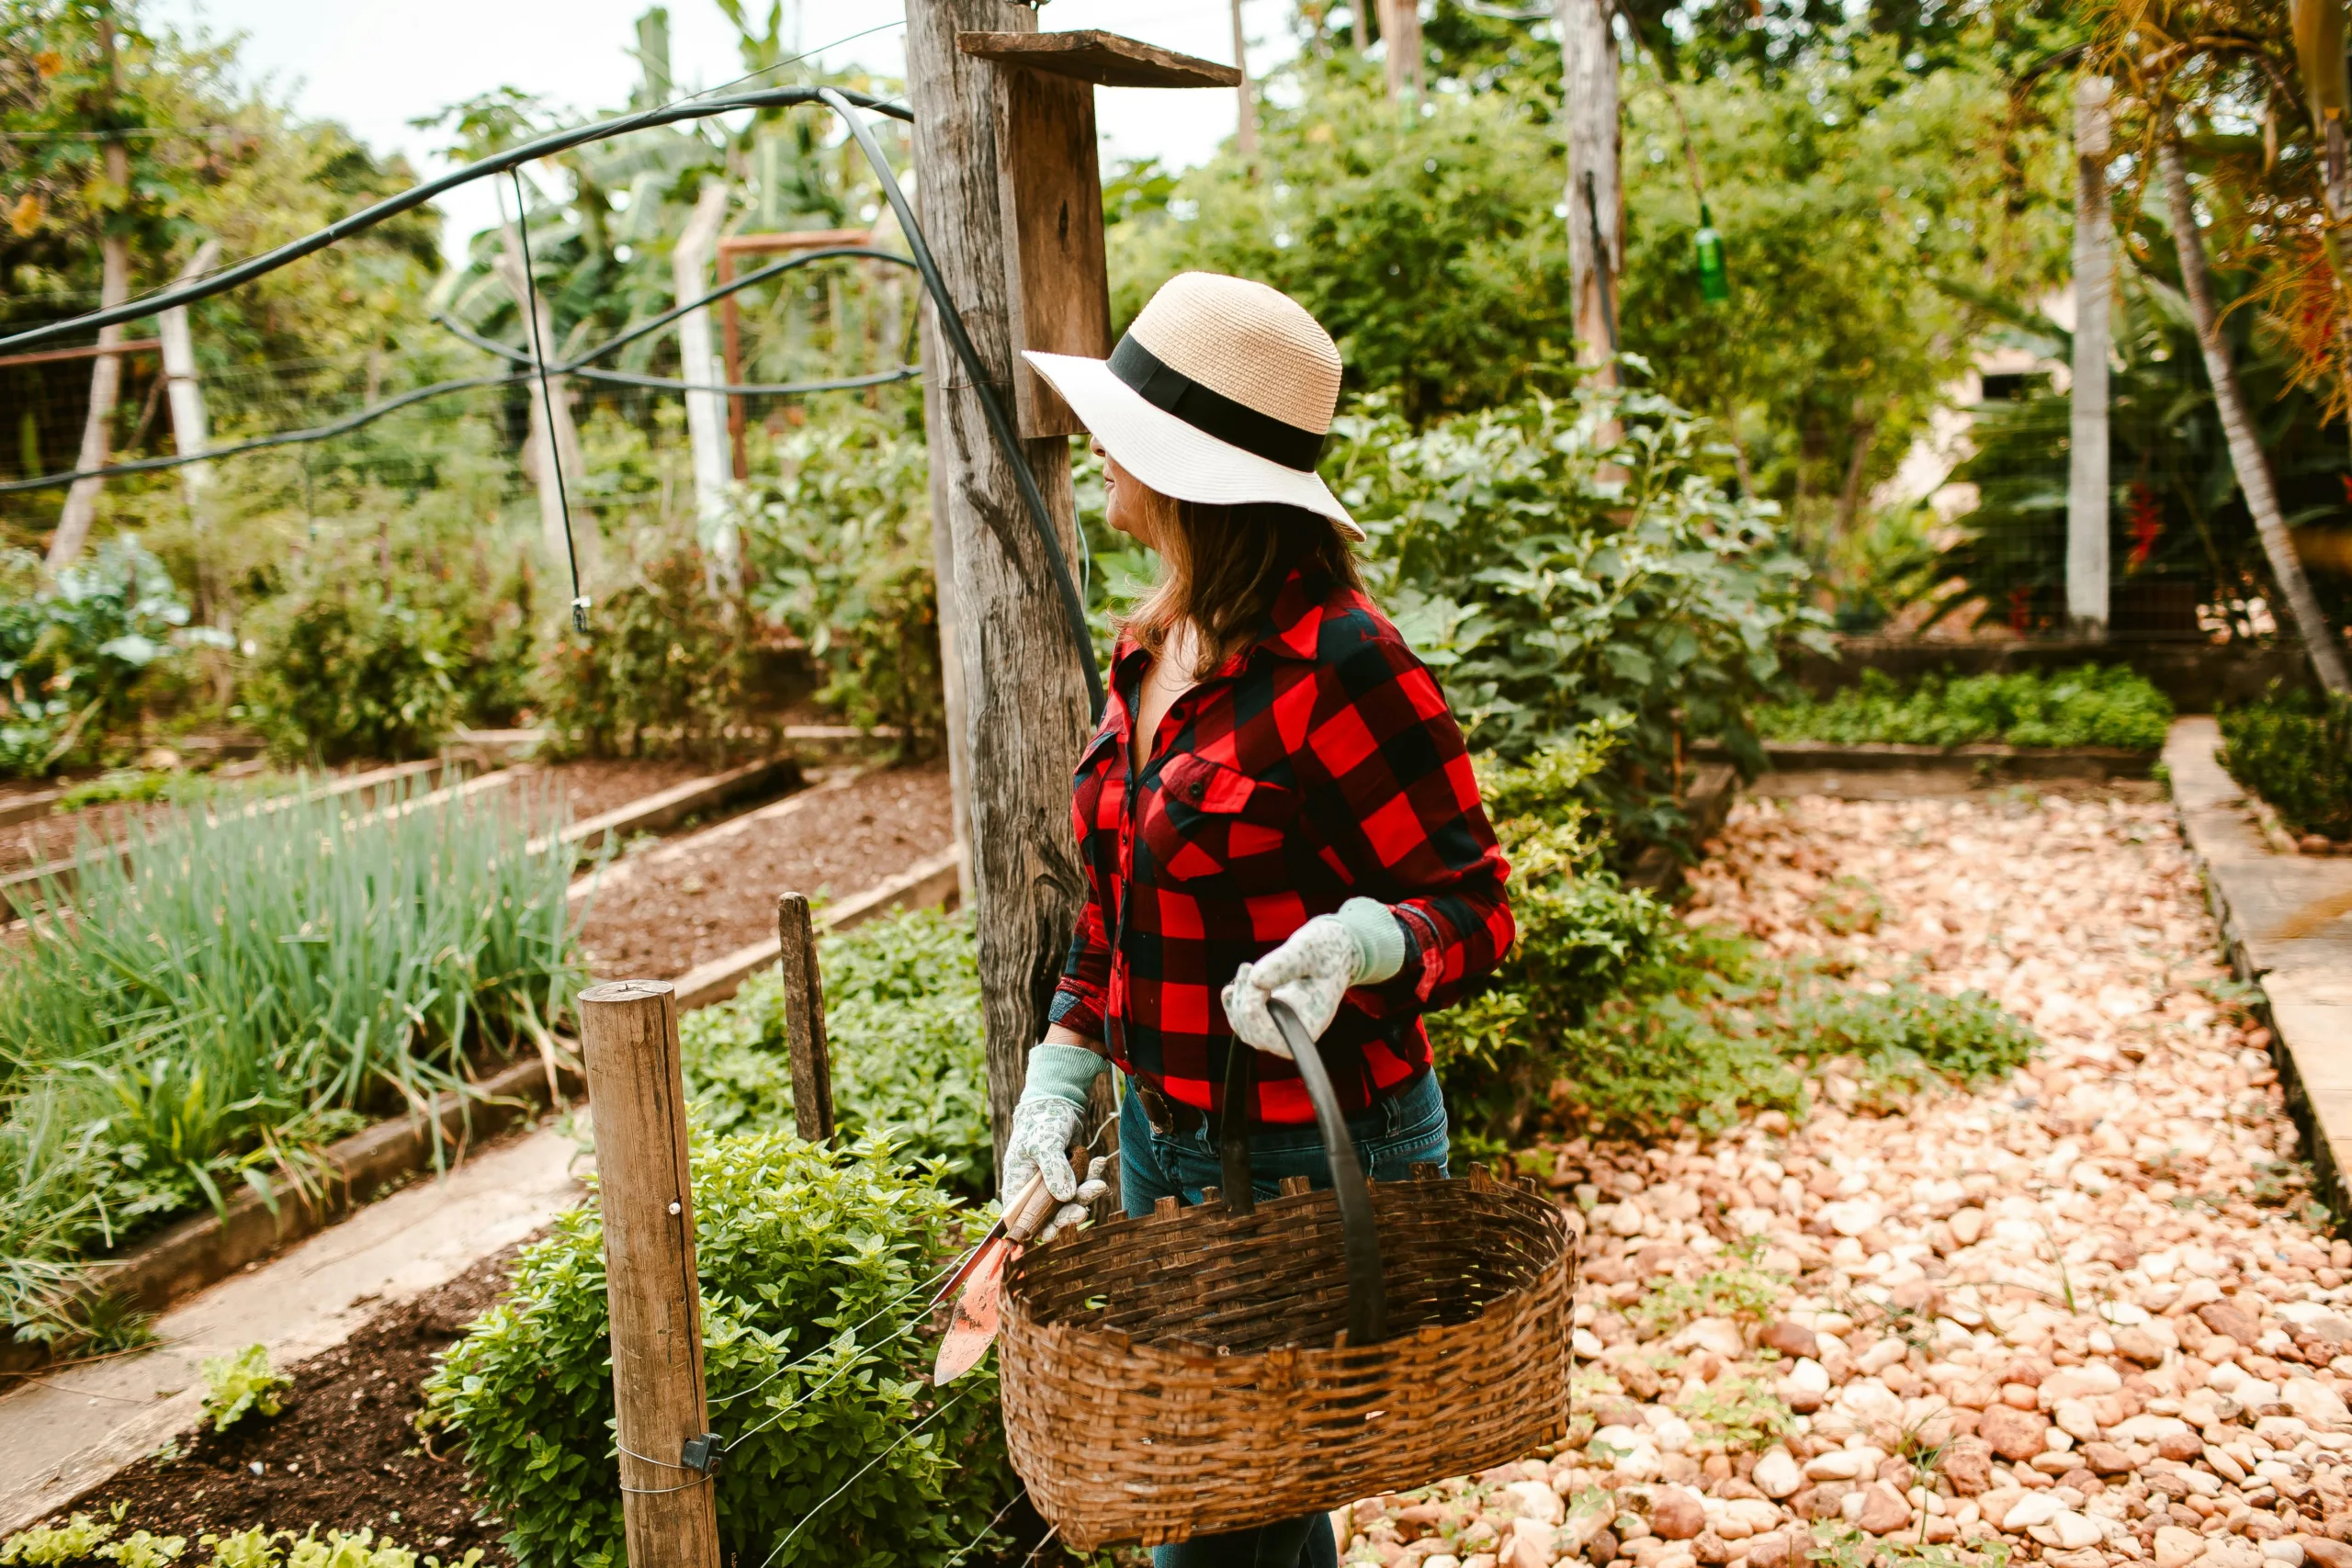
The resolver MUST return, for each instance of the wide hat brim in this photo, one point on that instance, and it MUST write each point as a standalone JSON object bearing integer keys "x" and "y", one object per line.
{"x": 1170, "y": 456}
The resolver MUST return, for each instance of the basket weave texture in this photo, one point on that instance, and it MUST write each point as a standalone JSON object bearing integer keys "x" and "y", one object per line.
{"x": 1177, "y": 1375}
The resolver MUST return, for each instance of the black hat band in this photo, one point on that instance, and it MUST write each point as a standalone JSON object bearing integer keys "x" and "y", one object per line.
{"x": 1212, "y": 413}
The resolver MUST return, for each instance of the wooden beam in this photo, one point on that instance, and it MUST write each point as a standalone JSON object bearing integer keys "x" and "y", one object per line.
{"x": 91, "y": 351}
{"x": 792, "y": 240}
{"x": 637, "y": 1093}
{"x": 1056, "y": 274}
{"x": 1027, "y": 712}
{"x": 1106, "y": 60}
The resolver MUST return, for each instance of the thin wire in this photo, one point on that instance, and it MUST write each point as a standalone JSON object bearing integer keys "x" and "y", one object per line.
{"x": 851, "y": 1365}
{"x": 986, "y": 1529}
{"x": 915, "y": 1288}
{"x": 649, "y": 1459}
{"x": 936, "y": 1413}
{"x": 1041, "y": 1546}
{"x": 546, "y": 402}
{"x": 666, "y": 1491}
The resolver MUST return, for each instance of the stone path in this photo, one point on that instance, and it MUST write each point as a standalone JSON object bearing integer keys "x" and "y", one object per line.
{"x": 2083, "y": 1316}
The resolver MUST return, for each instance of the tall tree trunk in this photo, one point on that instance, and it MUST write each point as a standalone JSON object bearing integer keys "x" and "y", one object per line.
{"x": 2245, "y": 453}
{"x": 2087, "y": 565}
{"x": 105, "y": 381}
{"x": 191, "y": 431}
{"x": 1594, "y": 195}
{"x": 1027, "y": 714}
{"x": 1245, "y": 128}
{"x": 705, "y": 412}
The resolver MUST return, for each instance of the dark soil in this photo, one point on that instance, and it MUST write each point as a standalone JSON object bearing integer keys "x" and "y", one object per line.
{"x": 343, "y": 1453}
{"x": 658, "y": 926}
{"x": 593, "y": 788}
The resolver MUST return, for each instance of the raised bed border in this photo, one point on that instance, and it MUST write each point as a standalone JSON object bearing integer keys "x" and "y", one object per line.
{"x": 2304, "y": 978}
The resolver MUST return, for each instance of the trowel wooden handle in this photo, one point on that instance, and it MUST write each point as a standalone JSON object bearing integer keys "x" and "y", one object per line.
{"x": 1033, "y": 1205}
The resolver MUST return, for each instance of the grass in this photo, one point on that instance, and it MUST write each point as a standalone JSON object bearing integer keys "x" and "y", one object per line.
{"x": 248, "y": 985}
{"x": 2093, "y": 706}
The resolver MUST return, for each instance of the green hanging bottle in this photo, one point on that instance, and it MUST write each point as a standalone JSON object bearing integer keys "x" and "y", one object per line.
{"x": 1715, "y": 288}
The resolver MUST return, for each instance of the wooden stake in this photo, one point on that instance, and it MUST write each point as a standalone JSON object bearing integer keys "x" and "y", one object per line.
{"x": 629, "y": 1034}
{"x": 804, "y": 1019}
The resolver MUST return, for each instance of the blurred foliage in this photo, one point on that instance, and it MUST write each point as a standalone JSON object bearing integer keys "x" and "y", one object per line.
{"x": 663, "y": 670}
{"x": 2092, "y": 705}
{"x": 838, "y": 539}
{"x": 2294, "y": 749}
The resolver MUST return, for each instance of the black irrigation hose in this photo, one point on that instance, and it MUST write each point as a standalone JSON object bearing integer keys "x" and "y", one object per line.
{"x": 417, "y": 196}
{"x": 671, "y": 383}
{"x": 349, "y": 422}
{"x": 952, "y": 323}
{"x": 655, "y": 323}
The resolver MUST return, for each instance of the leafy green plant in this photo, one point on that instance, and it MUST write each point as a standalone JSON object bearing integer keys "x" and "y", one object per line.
{"x": 72, "y": 652}
{"x": 841, "y": 542}
{"x": 248, "y": 984}
{"x": 2092, "y": 705}
{"x": 348, "y": 668}
{"x": 902, "y": 1022}
{"x": 1735, "y": 1414}
{"x": 2294, "y": 749}
{"x": 817, "y": 1267}
{"x": 243, "y": 1384}
{"x": 81, "y": 1540}
{"x": 1736, "y": 1287}
{"x": 1555, "y": 578}
{"x": 664, "y": 670}
{"x": 75, "y": 1541}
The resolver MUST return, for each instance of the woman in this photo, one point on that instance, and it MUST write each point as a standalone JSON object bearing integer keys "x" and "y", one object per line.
{"x": 1277, "y": 803}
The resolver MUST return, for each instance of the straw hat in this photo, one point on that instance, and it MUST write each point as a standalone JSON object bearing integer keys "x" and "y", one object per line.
{"x": 1221, "y": 392}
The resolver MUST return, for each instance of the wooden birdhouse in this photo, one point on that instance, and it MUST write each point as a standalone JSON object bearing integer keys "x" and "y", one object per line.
{"x": 1049, "y": 182}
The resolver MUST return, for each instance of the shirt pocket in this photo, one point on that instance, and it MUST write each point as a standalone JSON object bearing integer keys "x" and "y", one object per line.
{"x": 1215, "y": 828}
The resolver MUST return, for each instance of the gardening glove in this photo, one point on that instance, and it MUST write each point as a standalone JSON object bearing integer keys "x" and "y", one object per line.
{"x": 1362, "y": 944}
{"x": 1076, "y": 1212}
{"x": 1045, "y": 1119}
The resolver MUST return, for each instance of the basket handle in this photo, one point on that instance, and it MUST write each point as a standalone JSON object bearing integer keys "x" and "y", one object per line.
{"x": 1359, "y": 1240}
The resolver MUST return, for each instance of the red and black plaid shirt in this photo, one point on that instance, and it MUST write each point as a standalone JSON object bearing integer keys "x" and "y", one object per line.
{"x": 1320, "y": 765}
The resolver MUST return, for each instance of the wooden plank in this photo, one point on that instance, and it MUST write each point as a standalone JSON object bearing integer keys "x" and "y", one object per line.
{"x": 792, "y": 240}
{"x": 929, "y": 881}
{"x": 651, "y": 813}
{"x": 1105, "y": 59}
{"x": 804, "y": 1018}
{"x": 1057, "y": 278}
{"x": 637, "y": 1090}
{"x": 607, "y": 875}
{"x": 1027, "y": 711}
{"x": 92, "y": 351}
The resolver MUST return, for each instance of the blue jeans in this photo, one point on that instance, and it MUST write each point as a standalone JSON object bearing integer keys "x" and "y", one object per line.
{"x": 1407, "y": 1128}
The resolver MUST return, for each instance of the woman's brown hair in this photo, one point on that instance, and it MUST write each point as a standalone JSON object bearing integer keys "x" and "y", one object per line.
{"x": 1221, "y": 566}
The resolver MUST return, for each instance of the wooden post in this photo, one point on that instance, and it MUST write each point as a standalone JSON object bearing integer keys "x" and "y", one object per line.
{"x": 1026, "y": 712}
{"x": 804, "y": 1018}
{"x": 706, "y": 410}
{"x": 629, "y": 1034}
{"x": 191, "y": 432}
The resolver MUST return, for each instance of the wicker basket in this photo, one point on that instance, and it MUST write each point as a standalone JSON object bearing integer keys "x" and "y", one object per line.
{"x": 1209, "y": 1369}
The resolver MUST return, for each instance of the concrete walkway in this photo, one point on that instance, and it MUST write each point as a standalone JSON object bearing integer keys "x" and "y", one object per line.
{"x": 77, "y": 1426}
{"x": 2287, "y": 921}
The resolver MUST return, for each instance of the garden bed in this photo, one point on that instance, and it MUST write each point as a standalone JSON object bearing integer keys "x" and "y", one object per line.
{"x": 1988, "y": 763}
{"x": 702, "y": 906}
{"x": 344, "y": 1454}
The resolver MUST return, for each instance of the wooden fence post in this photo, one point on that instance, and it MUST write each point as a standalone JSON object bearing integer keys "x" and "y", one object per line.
{"x": 804, "y": 1018}
{"x": 629, "y": 1034}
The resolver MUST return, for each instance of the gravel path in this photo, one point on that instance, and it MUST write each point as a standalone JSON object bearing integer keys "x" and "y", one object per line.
{"x": 2086, "y": 1317}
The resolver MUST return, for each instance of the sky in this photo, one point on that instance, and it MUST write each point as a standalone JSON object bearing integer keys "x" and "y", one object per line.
{"x": 376, "y": 64}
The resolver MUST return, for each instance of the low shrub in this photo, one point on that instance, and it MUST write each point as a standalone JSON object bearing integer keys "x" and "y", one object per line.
{"x": 817, "y": 1267}
{"x": 839, "y": 545}
{"x": 73, "y": 652}
{"x": 348, "y": 668}
{"x": 2294, "y": 749}
{"x": 902, "y": 1022}
{"x": 241, "y": 1385}
{"x": 663, "y": 670}
{"x": 1556, "y": 578}
{"x": 2092, "y": 705}
{"x": 256, "y": 980}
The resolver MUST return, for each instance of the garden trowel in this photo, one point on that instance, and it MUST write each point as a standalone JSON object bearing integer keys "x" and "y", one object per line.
{"x": 981, "y": 1279}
